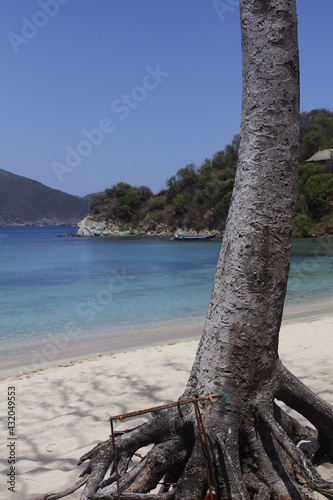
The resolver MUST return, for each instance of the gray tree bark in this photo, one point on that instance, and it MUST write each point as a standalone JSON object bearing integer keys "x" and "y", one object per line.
{"x": 247, "y": 446}
{"x": 251, "y": 277}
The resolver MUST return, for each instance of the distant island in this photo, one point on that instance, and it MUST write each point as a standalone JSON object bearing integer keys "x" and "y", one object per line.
{"x": 198, "y": 198}
{"x": 25, "y": 202}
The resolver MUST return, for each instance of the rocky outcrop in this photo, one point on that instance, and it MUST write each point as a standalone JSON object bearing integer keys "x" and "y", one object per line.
{"x": 91, "y": 226}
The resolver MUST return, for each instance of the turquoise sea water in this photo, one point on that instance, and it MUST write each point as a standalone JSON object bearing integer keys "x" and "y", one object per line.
{"x": 58, "y": 288}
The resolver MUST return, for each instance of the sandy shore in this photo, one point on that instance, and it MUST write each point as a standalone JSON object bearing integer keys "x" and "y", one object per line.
{"x": 61, "y": 410}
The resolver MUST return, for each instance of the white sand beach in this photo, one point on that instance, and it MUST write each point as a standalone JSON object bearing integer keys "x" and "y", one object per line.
{"x": 61, "y": 410}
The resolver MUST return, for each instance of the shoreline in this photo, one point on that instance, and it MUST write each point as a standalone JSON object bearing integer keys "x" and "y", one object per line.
{"x": 307, "y": 310}
{"x": 37, "y": 354}
{"x": 85, "y": 346}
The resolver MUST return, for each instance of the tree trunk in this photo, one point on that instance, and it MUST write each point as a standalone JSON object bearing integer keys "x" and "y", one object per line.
{"x": 243, "y": 322}
{"x": 246, "y": 446}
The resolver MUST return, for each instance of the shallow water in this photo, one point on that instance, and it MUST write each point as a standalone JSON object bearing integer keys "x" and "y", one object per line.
{"x": 53, "y": 288}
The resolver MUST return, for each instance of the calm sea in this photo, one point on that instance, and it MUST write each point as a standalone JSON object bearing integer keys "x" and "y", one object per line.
{"x": 55, "y": 290}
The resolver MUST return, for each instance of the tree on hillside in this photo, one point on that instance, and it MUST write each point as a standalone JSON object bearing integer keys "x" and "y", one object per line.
{"x": 316, "y": 131}
{"x": 247, "y": 446}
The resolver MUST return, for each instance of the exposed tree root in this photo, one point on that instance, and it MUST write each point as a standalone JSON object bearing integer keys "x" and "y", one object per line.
{"x": 137, "y": 496}
{"x": 299, "y": 397}
{"x": 232, "y": 470}
{"x": 295, "y": 431}
{"x": 259, "y": 458}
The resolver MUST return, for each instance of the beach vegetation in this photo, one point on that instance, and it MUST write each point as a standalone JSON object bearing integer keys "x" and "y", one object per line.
{"x": 157, "y": 202}
{"x": 316, "y": 132}
{"x": 199, "y": 197}
{"x": 319, "y": 191}
{"x": 154, "y": 218}
{"x": 121, "y": 202}
{"x": 303, "y": 226}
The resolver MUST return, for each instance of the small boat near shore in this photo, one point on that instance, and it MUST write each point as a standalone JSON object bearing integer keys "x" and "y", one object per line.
{"x": 203, "y": 237}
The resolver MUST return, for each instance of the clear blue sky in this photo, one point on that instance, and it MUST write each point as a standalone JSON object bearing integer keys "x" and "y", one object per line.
{"x": 160, "y": 79}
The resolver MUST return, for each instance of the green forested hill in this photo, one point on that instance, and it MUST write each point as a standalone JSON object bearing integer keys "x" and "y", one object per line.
{"x": 314, "y": 214}
{"x": 199, "y": 197}
{"x": 25, "y": 201}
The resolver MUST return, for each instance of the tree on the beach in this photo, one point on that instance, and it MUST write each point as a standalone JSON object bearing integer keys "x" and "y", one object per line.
{"x": 247, "y": 445}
